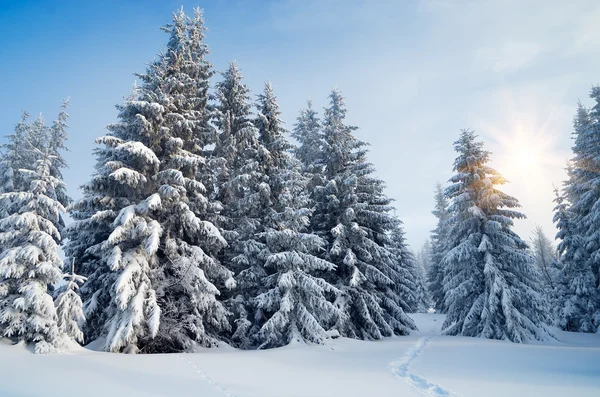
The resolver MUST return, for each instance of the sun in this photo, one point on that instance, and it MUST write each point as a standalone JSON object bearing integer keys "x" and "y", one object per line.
{"x": 523, "y": 151}
{"x": 526, "y": 140}
{"x": 523, "y": 155}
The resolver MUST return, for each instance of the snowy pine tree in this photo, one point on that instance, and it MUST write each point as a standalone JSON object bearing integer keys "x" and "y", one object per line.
{"x": 244, "y": 197}
{"x": 147, "y": 249}
{"x": 491, "y": 286}
{"x": 29, "y": 257}
{"x": 15, "y": 153}
{"x": 405, "y": 282}
{"x": 422, "y": 264}
{"x": 424, "y": 255}
{"x": 57, "y": 145}
{"x": 545, "y": 260}
{"x": 353, "y": 215}
{"x": 577, "y": 216}
{"x": 295, "y": 304}
{"x": 576, "y": 296}
{"x": 69, "y": 307}
{"x": 439, "y": 237}
{"x": 586, "y": 173}
{"x": 307, "y": 131}
{"x": 31, "y": 221}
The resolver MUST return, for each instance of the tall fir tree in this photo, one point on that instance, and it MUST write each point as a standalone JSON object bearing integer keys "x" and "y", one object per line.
{"x": 439, "y": 242}
{"x": 307, "y": 132}
{"x": 576, "y": 296}
{"x": 15, "y": 156}
{"x": 31, "y": 223}
{"x": 586, "y": 172}
{"x": 244, "y": 196}
{"x": 57, "y": 145}
{"x": 545, "y": 260}
{"x": 69, "y": 306}
{"x": 142, "y": 233}
{"x": 405, "y": 282}
{"x": 353, "y": 215}
{"x": 422, "y": 264}
{"x": 577, "y": 215}
{"x": 491, "y": 286}
{"x": 29, "y": 257}
{"x": 294, "y": 305}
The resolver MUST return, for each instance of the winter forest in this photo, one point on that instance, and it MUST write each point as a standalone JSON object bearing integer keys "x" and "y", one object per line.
{"x": 208, "y": 221}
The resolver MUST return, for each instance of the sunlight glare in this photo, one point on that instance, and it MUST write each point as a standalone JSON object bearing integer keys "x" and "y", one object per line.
{"x": 524, "y": 153}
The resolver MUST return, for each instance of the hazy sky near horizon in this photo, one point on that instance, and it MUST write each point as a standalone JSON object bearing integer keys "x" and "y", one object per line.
{"x": 413, "y": 74}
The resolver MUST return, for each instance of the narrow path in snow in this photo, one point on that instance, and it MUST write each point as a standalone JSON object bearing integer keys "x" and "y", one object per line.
{"x": 401, "y": 368}
{"x": 187, "y": 358}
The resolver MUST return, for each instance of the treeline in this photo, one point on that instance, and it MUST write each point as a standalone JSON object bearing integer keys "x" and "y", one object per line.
{"x": 203, "y": 224}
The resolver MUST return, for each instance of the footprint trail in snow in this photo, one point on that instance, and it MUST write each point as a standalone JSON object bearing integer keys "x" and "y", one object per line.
{"x": 401, "y": 368}
{"x": 204, "y": 375}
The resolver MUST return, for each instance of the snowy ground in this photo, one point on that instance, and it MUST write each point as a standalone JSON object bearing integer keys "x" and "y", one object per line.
{"x": 423, "y": 364}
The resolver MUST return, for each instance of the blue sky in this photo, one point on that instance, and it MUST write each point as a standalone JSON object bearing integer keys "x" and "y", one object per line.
{"x": 413, "y": 73}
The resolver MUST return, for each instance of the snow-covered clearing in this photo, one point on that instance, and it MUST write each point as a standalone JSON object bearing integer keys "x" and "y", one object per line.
{"x": 423, "y": 364}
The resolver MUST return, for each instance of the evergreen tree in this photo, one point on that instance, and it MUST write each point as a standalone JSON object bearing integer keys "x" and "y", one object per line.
{"x": 294, "y": 305}
{"x": 30, "y": 232}
{"x": 490, "y": 282}
{"x": 307, "y": 132}
{"x": 15, "y": 154}
{"x": 576, "y": 296}
{"x": 545, "y": 260}
{"x": 57, "y": 138}
{"x": 29, "y": 259}
{"x": 424, "y": 255}
{"x": 586, "y": 176}
{"x": 142, "y": 233}
{"x": 577, "y": 217}
{"x": 439, "y": 237}
{"x": 244, "y": 197}
{"x": 405, "y": 282}
{"x": 353, "y": 215}
{"x": 422, "y": 263}
{"x": 69, "y": 307}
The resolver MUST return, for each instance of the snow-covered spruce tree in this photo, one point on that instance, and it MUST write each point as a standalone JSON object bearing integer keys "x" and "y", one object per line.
{"x": 422, "y": 263}
{"x": 405, "y": 283}
{"x": 294, "y": 305}
{"x": 14, "y": 156}
{"x": 578, "y": 226}
{"x": 435, "y": 272}
{"x": 490, "y": 282}
{"x": 69, "y": 307}
{"x": 424, "y": 255}
{"x": 583, "y": 192}
{"x": 12, "y": 159}
{"x": 275, "y": 161}
{"x": 576, "y": 296}
{"x": 307, "y": 132}
{"x": 244, "y": 198}
{"x": 57, "y": 145}
{"x": 93, "y": 216}
{"x": 353, "y": 215}
{"x": 38, "y": 137}
{"x": 29, "y": 257}
{"x": 144, "y": 212}
{"x": 545, "y": 260}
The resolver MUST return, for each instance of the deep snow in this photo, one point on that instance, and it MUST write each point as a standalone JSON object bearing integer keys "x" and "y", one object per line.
{"x": 422, "y": 364}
